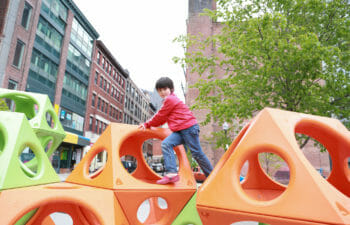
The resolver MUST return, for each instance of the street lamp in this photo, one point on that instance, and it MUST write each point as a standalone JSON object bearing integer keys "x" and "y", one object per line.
{"x": 225, "y": 128}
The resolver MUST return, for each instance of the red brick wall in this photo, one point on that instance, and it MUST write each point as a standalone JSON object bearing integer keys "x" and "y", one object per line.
{"x": 3, "y": 13}
{"x": 96, "y": 89}
{"x": 26, "y": 36}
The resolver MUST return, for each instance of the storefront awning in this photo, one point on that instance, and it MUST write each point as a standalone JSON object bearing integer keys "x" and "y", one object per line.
{"x": 76, "y": 139}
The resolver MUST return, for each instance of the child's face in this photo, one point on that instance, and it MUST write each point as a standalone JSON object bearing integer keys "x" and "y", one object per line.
{"x": 164, "y": 92}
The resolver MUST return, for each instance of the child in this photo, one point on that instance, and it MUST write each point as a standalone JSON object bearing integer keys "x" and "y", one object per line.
{"x": 184, "y": 127}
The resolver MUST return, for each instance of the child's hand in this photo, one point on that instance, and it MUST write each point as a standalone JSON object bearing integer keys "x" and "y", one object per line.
{"x": 142, "y": 127}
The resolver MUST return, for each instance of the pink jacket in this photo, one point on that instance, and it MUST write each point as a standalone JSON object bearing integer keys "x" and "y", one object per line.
{"x": 175, "y": 113}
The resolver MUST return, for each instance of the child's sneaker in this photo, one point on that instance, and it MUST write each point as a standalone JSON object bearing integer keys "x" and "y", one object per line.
{"x": 167, "y": 180}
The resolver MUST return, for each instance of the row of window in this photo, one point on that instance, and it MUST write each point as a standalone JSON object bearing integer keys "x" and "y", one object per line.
{"x": 81, "y": 38}
{"x": 49, "y": 34}
{"x": 109, "y": 89}
{"x": 98, "y": 127}
{"x": 133, "y": 93}
{"x": 44, "y": 65}
{"x": 78, "y": 62}
{"x": 104, "y": 107}
{"x": 75, "y": 86}
{"x": 110, "y": 70}
{"x": 56, "y": 11}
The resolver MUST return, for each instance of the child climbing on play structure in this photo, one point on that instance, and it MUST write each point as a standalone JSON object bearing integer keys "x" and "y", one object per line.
{"x": 185, "y": 130}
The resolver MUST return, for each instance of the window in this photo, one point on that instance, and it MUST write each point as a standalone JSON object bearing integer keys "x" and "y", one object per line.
{"x": 108, "y": 88}
{"x": 106, "y": 109}
{"x": 100, "y": 128}
{"x": 98, "y": 103}
{"x": 17, "y": 60}
{"x": 98, "y": 57}
{"x": 12, "y": 85}
{"x": 93, "y": 100}
{"x": 101, "y": 81}
{"x": 90, "y": 123}
{"x": 96, "y": 77}
{"x": 96, "y": 126}
{"x": 27, "y": 12}
{"x": 103, "y": 106}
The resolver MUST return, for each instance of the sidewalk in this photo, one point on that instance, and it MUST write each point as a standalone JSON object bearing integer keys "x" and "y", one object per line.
{"x": 63, "y": 176}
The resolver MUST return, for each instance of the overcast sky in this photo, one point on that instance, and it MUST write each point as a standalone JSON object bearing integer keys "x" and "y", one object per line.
{"x": 140, "y": 36}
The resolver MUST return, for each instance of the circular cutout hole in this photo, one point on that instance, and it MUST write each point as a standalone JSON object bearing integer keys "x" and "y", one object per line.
{"x": 61, "y": 218}
{"x": 315, "y": 153}
{"x": 26, "y": 155}
{"x": 152, "y": 153}
{"x": 48, "y": 144}
{"x": 2, "y": 140}
{"x": 275, "y": 167}
{"x": 143, "y": 211}
{"x": 97, "y": 163}
{"x": 162, "y": 203}
{"x": 50, "y": 119}
{"x": 244, "y": 171}
{"x": 129, "y": 162}
{"x": 266, "y": 171}
{"x": 154, "y": 206}
{"x": 9, "y": 105}
{"x": 3, "y": 105}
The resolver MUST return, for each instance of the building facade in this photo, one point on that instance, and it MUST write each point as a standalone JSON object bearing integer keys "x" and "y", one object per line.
{"x": 198, "y": 24}
{"x": 106, "y": 97}
{"x": 48, "y": 49}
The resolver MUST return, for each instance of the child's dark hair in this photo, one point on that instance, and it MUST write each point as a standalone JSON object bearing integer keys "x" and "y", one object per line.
{"x": 165, "y": 82}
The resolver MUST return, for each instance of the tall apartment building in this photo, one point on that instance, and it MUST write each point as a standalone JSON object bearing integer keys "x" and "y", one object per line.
{"x": 46, "y": 47}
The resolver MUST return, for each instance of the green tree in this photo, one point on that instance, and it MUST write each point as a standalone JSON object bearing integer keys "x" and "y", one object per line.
{"x": 3, "y": 105}
{"x": 287, "y": 54}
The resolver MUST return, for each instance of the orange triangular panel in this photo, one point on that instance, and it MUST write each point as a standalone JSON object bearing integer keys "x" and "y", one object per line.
{"x": 123, "y": 139}
{"x": 175, "y": 201}
{"x": 308, "y": 197}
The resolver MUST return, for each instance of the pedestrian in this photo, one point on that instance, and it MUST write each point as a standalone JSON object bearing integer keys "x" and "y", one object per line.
{"x": 184, "y": 127}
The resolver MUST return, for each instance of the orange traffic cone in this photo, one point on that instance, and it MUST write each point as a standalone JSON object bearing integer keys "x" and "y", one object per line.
{"x": 308, "y": 198}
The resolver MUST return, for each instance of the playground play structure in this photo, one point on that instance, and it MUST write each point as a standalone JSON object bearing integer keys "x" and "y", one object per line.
{"x": 31, "y": 191}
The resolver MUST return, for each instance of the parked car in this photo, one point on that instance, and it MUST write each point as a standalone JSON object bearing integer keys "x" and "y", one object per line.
{"x": 158, "y": 167}
{"x": 199, "y": 175}
{"x": 130, "y": 166}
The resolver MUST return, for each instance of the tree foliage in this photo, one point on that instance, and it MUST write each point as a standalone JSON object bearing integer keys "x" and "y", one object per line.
{"x": 287, "y": 54}
{"x": 3, "y": 105}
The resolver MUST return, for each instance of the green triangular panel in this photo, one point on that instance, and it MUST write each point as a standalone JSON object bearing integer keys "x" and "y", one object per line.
{"x": 189, "y": 214}
{"x": 15, "y": 135}
{"x": 36, "y": 106}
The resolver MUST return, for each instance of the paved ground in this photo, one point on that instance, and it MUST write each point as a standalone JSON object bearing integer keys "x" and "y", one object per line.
{"x": 65, "y": 219}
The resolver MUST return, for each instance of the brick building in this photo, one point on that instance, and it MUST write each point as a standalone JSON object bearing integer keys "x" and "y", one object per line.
{"x": 203, "y": 25}
{"x": 46, "y": 47}
{"x": 196, "y": 25}
{"x": 106, "y": 95}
